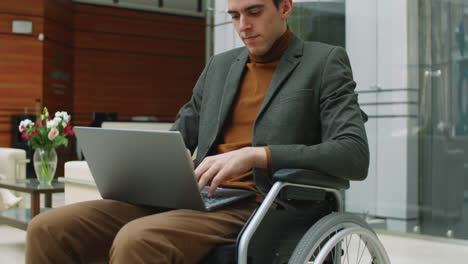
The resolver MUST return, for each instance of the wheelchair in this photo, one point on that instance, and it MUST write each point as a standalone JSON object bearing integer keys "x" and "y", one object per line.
{"x": 302, "y": 221}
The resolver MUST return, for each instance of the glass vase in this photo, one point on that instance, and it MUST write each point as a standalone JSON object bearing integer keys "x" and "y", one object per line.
{"x": 45, "y": 164}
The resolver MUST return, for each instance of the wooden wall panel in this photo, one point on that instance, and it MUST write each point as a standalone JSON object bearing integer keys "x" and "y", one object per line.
{"x": 139, "y": 15}
{"x": 58, "y": 66}
{"x": 59, "y": 33}
{"x": 58, "y": 77}
{"x": 182, "y": 29}
{"x": 134, "y": 63}
{"x": 28, "y": 7}
{"x": 20, "y": 63}
{"x": 138, "y": 44}
{"x": 29, "y": 66}
{"x": 96, "y": 59}
{"x": 58, "y": 55}
{"x": 20, "y": 79}
{"x": 6, "y": 21}
{"x": 59, "y": 11}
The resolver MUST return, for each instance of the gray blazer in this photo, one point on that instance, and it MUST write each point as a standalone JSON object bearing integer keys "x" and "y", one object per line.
{"x": 310, "y": 117}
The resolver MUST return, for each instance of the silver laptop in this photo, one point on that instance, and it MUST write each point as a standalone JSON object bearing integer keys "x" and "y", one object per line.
{"x": 149, "y": 168}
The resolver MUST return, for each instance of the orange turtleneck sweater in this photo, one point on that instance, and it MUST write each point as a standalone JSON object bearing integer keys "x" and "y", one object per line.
{"x": 237, "y": 130}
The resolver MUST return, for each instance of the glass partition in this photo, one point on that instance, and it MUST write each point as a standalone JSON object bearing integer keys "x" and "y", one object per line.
{"x": 410, "y": 62}
{"x": 443, "y": 118}
{"x": 317, "y": 20}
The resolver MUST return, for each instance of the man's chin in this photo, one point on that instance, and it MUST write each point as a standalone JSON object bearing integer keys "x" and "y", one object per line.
{"x": 256, "y": 51}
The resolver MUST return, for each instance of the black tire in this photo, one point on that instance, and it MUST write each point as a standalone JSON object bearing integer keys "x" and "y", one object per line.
{"x": 329, "y": 226}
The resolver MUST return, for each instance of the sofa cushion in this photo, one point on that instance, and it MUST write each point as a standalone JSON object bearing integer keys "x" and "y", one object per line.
{"x": 78, "y": 170}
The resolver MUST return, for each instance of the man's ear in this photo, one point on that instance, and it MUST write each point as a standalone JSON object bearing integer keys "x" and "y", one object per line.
{"x": 286, "y": 8}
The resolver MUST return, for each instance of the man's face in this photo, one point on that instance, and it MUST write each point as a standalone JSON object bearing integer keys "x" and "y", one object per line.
{"x": 258, "y": 22}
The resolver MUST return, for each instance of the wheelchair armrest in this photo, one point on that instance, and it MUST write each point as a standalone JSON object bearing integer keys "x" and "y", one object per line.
{"x": 310, "y": 177}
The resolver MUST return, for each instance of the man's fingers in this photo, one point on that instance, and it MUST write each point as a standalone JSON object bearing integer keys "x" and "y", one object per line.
{"x": 212, "y": 190}
{"x": 202, "y": 168}
{"x": 202, "y": 182}
{"x": 189, "y": 154}
{"x": 199, "y": 171}
{"x": 215, "y": 183}
{"x": 215, "y": 169}
{"x": 219, "y": 178}
{"x": 207, "y": 176}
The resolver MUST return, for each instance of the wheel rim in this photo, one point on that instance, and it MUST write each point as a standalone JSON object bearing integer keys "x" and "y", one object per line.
{"x": 347, "y": 244}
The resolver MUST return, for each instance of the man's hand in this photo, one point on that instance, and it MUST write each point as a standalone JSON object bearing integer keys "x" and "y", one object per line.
{"x": 190, "y": 157}
{"x": 214, "y": 170}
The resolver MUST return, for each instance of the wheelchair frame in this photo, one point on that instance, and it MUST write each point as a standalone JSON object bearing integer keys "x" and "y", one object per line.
{"x": 333, "y": 242}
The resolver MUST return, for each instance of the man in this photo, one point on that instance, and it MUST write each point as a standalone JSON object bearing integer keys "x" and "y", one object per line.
{"x": 278, "y": 103}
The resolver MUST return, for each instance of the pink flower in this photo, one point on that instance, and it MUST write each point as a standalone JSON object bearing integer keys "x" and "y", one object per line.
{"x": 36, "y": 132}
{"x": 26, "y": 136}
{"x": 53, "y": 134}
{"x": 68, "y": 130}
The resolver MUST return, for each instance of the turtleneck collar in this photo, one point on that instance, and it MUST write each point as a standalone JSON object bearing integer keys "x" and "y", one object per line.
{"x": 276, "y": 50}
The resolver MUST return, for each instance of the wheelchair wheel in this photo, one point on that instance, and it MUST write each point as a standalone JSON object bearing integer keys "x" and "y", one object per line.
{"x": 339, "y": 238}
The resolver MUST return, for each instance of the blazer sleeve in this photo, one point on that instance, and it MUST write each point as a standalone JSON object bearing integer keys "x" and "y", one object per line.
{"x": 188, "y": 118}
{"x": 343, "y": 151}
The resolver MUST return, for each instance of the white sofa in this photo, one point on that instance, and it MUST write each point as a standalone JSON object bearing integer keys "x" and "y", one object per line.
{"x": 13, "y": 166}
{"x": 79, "y": 182}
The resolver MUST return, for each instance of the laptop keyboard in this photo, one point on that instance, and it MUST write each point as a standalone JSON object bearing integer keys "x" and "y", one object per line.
{"x": 215, "y": 199}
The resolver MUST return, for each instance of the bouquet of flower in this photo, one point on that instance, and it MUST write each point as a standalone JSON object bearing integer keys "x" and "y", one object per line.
{"x": 47, "y": 133}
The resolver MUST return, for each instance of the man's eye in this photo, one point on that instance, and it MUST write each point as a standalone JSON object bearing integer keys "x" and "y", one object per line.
{"x": 255, "y": 12}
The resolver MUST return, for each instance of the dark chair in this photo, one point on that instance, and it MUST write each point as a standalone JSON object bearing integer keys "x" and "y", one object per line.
{"x": 306, "y": 225}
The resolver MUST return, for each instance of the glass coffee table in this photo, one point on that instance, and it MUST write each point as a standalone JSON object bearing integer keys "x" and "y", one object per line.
{"x": 20, "y": 217}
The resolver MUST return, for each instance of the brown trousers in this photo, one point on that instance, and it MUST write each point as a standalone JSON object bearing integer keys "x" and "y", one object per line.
{"x": 106, "y": 230}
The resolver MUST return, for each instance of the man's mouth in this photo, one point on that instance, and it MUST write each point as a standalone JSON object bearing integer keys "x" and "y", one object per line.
{"x": 250, "y": 38}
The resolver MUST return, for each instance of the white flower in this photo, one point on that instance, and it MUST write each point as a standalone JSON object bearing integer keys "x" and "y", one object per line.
{"x": 57, "y": 121}
{"x": 64, "y": 115}
{"x": 25, "y": 124}
{"x": 54, "y": 122}
{"x": 28, "y": 122}
{"x": 50, "y": 123}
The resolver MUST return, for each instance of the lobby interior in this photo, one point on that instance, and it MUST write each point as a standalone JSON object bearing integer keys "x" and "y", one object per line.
{"x": 133, "y": 63}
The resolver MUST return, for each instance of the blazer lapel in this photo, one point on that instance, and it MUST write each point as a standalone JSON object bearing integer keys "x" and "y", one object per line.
{"x": 231, "y": 87}
{"x": 287, "y": 64}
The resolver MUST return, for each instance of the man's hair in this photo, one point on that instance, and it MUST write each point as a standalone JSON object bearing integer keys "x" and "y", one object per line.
{"x": 276, "y": 2}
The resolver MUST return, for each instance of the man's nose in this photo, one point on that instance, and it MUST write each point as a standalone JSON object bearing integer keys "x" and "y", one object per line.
{"x": 244, "y": 24}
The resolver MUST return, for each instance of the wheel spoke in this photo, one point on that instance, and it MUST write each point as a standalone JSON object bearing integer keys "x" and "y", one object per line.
{"x": 347, "y": 249}
{"x": 333, "y": 254}
{"x": 357, "y": 255}
{"x": 363, "y": 250}
{"x": 334, "y": 236}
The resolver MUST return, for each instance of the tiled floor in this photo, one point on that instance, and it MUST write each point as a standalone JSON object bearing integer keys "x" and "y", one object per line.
{"x": 402, "y": 249}
{"x": 12, "y": 240}
{"x": 407, "y": 249}
{"x": 11, "y": 245}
